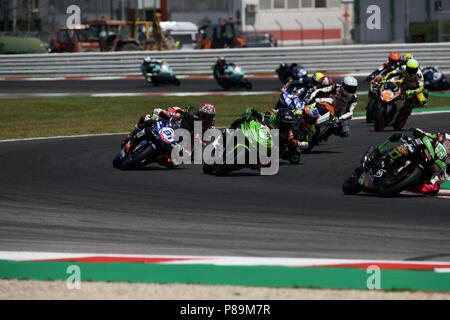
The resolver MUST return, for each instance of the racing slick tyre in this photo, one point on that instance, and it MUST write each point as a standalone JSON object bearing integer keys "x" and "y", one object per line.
{"x": 176, "y": 81}
{"x": 388, "y": 189}
{"x": 370, "y": 110}
{"x": 351, "y": 186}
{"x": 138, "y": 161}
{"x": 380, "y": 120}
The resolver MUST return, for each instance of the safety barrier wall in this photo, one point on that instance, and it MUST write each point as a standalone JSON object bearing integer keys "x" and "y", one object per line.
{"x": 346, "y": 59}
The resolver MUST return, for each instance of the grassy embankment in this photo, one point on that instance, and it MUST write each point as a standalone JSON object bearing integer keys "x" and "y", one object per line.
{"x": 41, "y": 117}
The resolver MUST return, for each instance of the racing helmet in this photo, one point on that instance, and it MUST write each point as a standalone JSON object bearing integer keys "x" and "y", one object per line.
{"x": 221, "y": 61}
{"x": 310, "y": 115}
{"x": 394, "y": 58}
{"x": 349, "y": 85}
{"x": 285, "y": 119}
{"x": 316, "y": 77}
{"x": 147, "y": 60}
{"x": 326, "y": 82}
{"x": 411, "y": 68}
{"x": 408, "y": 57}
{"x": 207, "y": 114}
{"x": 302, "y": 72}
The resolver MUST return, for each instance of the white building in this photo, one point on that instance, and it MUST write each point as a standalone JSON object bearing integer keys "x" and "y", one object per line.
{"x": 292, "y": 22}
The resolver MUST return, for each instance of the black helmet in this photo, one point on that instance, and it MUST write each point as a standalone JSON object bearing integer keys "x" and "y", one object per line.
{"x": 285, "y": 119}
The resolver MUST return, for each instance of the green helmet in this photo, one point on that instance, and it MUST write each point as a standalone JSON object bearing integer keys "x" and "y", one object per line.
{"x": 412, "y": 67}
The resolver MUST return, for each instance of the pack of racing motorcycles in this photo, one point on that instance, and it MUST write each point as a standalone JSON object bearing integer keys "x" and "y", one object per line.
{"x": 309, "y": 111}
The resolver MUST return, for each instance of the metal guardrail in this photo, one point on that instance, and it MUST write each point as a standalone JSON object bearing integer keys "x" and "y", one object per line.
{"x": 352, "y": 58}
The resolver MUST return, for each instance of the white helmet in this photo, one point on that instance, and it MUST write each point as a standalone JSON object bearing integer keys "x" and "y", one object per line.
{"x": 350, "y": 85}
{"x": 147, "y": 60}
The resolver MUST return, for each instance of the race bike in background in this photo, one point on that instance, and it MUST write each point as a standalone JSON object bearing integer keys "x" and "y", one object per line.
{"x": 374, "y": 95}
{"x": 435, "y": 79}
{"x": 162, "y": 73}
{"x": 257, "y": 136}
{"x": 234, "y": 77}
{"x": 288, "y": 72}
{"x": 394, "y": 106}
{"x": 143, "y": 149}
{"x": 406, "y": 165}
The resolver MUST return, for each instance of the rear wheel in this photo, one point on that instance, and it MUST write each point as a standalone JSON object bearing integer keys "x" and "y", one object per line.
{"x": 391, "y": 188}
{"x": 381, "y": 118}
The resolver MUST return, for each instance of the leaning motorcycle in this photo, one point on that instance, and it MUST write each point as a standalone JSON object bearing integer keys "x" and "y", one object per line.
{"x": 162, "y": 73}
{"x": 144, "y": 148}
{"x": 374, "y": 94}
{"x": 234, "y": 77}
{"x": 406, "y": 165}
{"x": 435, "y": 79}
{"x": 394, "y": 106}
{"x": 258, "y": 138}
{"x": 326, "y": 124}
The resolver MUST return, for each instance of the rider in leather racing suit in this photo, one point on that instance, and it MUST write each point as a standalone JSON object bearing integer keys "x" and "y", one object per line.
{"x": 394, "y": 62}
{"x": 344, "y": 102}
{"x": 206, "y": 114}
{"x": 412, "y": 76}
{"x": 148, "y": 64}
{"x": 440, "y": 167}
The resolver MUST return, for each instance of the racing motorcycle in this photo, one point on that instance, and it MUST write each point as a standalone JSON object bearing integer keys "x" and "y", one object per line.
{"x": 234, "y": 77}
{"x": 288, "y": 72}
{"x": 162, "y": 73}
{"x": 292, "y": 100}
{"x": 144, "y": 149}
{"x": 326, "y": 124}
{"x": 406, "y": 165}
{"x": 394, "y": 107}
{"x": 435, "y": 79}
{"x": 374, "y": 94}
{"x": 257, "y": 137}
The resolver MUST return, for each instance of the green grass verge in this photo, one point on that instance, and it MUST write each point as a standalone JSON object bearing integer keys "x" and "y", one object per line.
{"x": 43, "y": 117}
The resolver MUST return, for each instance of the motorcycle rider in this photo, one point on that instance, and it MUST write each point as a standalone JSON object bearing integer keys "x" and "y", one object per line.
{"x": 440, "y": 172}
{"x": 344, "y": 101}
{"x": 306, "y": 125}
{"x": 295, "y": 129}
{"x": 412, "y": 76}
{"x": 206, "y": 114}
{"x": 393, "y": 62}
{"x": 148, "y": 64}
{"x": 219, "y": 69}
{"x": 325, "y": 89}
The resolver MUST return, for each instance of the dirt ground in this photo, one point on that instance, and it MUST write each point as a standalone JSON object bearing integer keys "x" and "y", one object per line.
{"x": 58, "y": 290}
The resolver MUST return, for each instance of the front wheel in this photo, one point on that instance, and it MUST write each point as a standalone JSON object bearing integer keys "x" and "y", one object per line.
{"x": 370, "y": 110}
{"x": 351, "y": 187}
{"x": 380, "y": 122}
{"x": 176, "y": 81}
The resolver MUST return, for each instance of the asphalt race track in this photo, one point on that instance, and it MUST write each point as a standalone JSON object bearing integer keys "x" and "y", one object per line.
{"x": 63, "y": 195}
{"x": 19, "y": 87}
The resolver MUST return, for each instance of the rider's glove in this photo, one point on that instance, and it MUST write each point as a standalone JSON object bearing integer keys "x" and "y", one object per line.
{"x": 410, "y": 92}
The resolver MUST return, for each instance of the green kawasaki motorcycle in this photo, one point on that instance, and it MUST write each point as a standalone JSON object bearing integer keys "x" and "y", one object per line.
{"x": 257, "y": 139}
{"x": 406, "y": 165}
